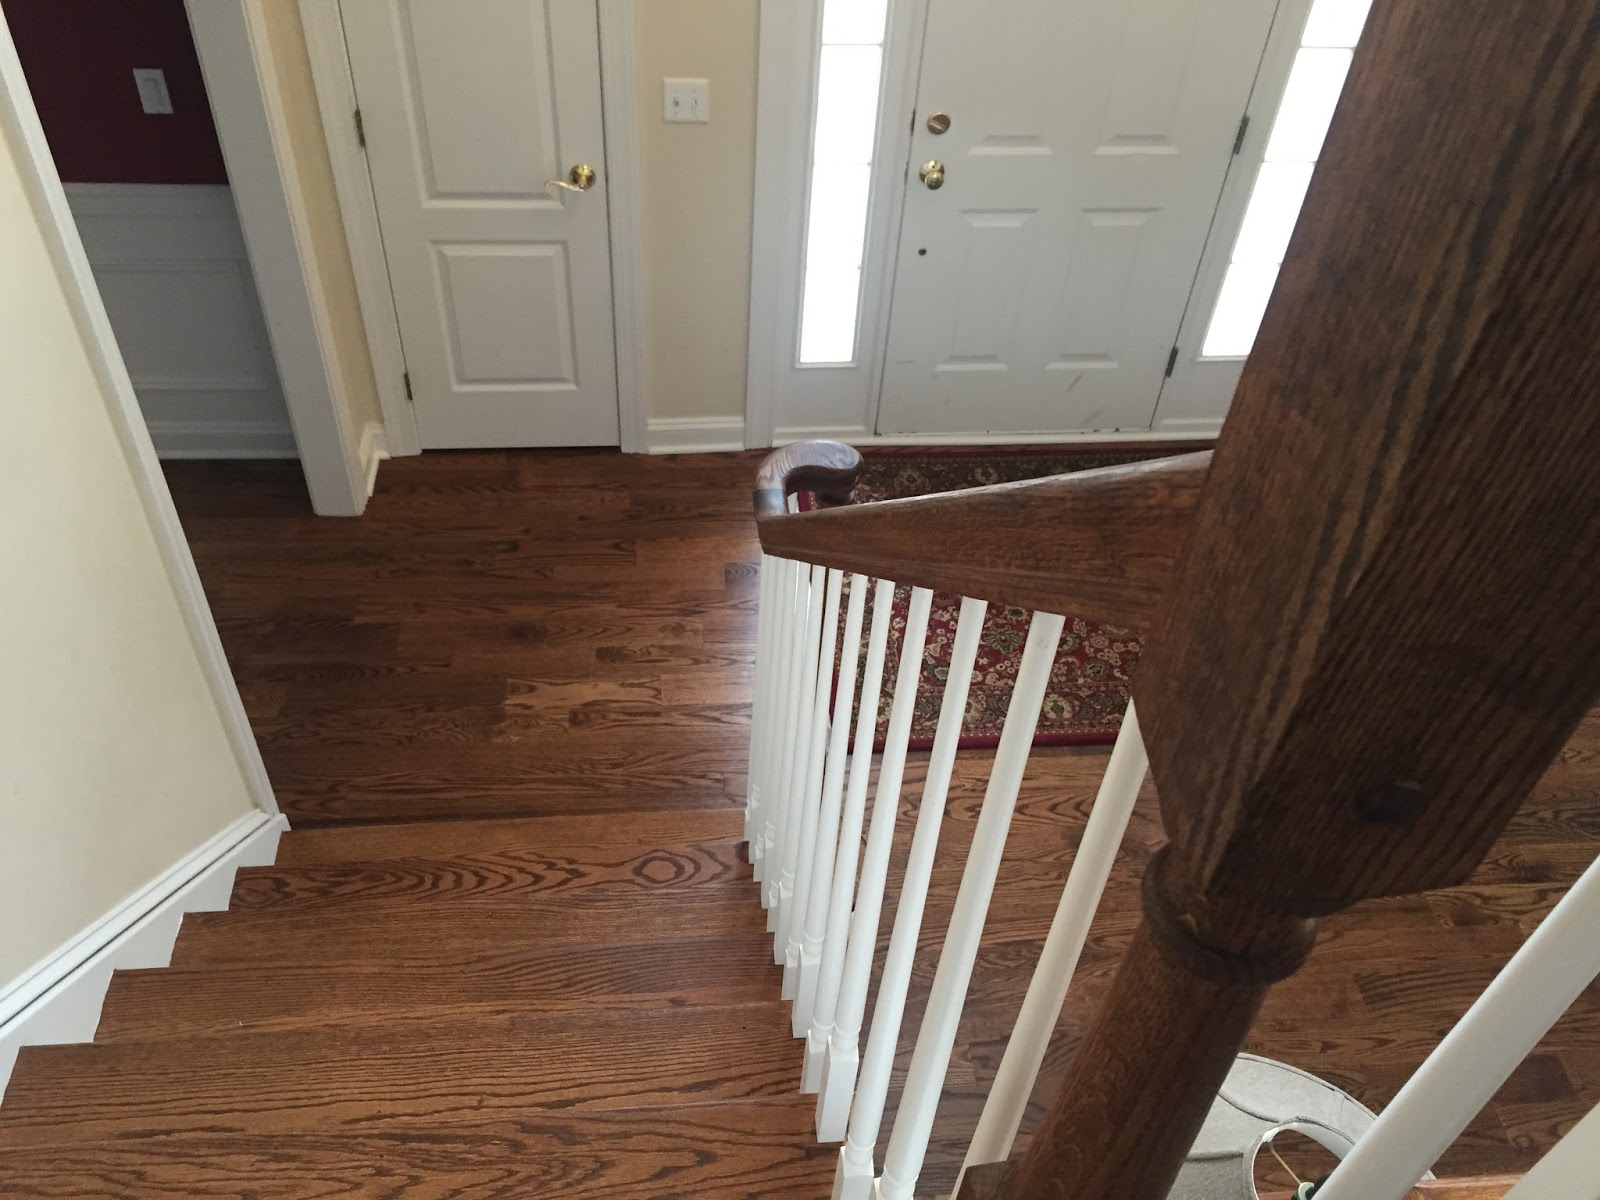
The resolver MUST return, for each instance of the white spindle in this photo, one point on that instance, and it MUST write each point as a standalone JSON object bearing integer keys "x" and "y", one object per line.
{"x": 854, "y": 1178}
{"x": 761, "y": 709}
{"x": 908, "y": 1144}
{"x": 843, "y": 1057}
{"x": 801, "y": 744}
{"x": 830, "y": 973}
{"x": 785, "y": 602}
{"x": 1047, "y": 991}
{"x": 791, "y": 922}
{"x": 1571, "y": 1171}
{"x": 812, "y": 920}
{"x": 788, "y": 751}
{"x": 1543, "y": 978}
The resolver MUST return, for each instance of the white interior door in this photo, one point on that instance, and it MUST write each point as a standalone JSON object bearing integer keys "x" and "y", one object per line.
{"x": 1041, "y": 287}
{"x": 502, "y": 283}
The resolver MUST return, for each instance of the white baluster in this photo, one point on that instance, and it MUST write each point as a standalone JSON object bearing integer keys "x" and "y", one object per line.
{"x": 761, "y": 710}
{"x": 1560, "y": 958}
{"x": 802, "y": 739}
{"x": 1570, "y": 1171}
{"x": 908, "y": 1144}
{"x": 786, "y": 749}
{"x": 843, "y": 1057}
{"x": 854, "y": 1178}
{"x": 836, "y": 937}
{"x": 791, "y": 923}
{"x": 812, "y": 921}
{"x": 1069, "y": 929}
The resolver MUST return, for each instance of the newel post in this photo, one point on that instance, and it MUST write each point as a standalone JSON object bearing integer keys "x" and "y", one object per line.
{"x": 1386, "y": 619}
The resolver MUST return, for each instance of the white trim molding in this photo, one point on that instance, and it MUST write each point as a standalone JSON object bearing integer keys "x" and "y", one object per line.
{"x": 374, "y": 450}
{"x": 336, "y": 97}
{"x": 336, "y": 103}
{"x": 57, "y": 1001}
{"x": 695, "y": 435}
{"x": 858, "y": 436}
{"x": 221, "y": 439}
{"x": 619, "y": 115}
{"x": 19, "y": 122}
{"x": 236, "y": 58}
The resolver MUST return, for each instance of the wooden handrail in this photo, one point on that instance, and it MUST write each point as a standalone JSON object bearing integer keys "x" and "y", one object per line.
{"x": 1385, "y": 621}
{"x": 828, "y": 470}
{"x": 1098, "y": 544}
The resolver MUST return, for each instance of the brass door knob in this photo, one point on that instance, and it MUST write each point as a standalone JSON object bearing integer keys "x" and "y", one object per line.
{"x": 582, "y": 179}
{"x": 932, "y": 174}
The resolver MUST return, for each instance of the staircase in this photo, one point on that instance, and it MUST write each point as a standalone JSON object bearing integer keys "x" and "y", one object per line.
{"x": 569, "y": 1005}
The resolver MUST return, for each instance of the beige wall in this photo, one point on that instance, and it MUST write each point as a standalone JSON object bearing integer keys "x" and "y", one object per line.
{"x": 297, "y": 94}
{"x": 114, "y": 763}
{"x": 698, "y": 186}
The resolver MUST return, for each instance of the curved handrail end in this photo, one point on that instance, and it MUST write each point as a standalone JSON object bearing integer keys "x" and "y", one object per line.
{"x": 827, "y": 469}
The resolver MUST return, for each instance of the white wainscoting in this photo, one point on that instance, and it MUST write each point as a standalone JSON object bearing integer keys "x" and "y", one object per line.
{"x": 58, "y": 1000}
{"x": 170, "y": 263}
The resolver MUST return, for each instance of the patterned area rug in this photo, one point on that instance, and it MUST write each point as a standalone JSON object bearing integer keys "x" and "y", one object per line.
{"x": 1089, "y": 682}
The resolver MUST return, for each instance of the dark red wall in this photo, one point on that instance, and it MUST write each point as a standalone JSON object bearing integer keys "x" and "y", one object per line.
{"x": 79, "y": 57}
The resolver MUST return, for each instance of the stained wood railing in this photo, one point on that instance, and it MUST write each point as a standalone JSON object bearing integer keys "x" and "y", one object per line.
{"x": 1372, "y": 619}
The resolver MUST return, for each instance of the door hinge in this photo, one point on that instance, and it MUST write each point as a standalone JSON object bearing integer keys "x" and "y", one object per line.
{"x": 361, "y": 130}
{"x": 1238, "y": 138}
{"x": 406, "y": 376}
{"x": 1172, "y": 361}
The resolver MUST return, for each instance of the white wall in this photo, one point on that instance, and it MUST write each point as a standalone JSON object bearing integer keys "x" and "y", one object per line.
{"x": 697, "y": 184}
{"x": 114, "y": 758}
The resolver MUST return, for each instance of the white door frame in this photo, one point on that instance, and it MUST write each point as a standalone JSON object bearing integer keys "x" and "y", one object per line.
{"x": 20, "y": 127}
{"x": 339, "y": 461}
{"x": 336, "y": 96}
{"x": 785, "y": 100}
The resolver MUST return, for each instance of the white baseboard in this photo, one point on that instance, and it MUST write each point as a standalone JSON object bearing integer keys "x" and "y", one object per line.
{"x": 860, "y": 437}
{"x": 374, "y": 449}
{"x": 58, "y": 1000}
{"x": 695, "y": 435}
{"x": 222, "y": 439}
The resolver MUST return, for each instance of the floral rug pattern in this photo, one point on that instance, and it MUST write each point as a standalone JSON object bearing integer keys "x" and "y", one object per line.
{"x": 1088, "y": 688}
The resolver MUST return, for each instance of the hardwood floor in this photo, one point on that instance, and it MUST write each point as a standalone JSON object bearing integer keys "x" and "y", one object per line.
{"x": 511, "y": 947}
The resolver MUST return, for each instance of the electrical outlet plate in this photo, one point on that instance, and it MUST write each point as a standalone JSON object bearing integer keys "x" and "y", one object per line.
{"x": 686, "y": 101}
{"x": 152, "y": 85}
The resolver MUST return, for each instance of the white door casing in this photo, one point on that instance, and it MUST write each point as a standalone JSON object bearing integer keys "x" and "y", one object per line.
{"x": 1041, "y": 288}
{"x": 502, "y": 284}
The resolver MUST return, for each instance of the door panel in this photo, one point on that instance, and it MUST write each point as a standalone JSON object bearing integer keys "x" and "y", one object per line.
{"x": 1040, "y": 288}
{"x": 502, "y": 284}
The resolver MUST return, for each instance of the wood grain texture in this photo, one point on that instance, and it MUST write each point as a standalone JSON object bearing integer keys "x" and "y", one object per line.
{"x": 1385, "y": 621}
{"x": 1099, "y": 544}
{"x": 1387, "y": 978}
{"x": 1394, "y": 556}
{"x": 425, "y": 1074}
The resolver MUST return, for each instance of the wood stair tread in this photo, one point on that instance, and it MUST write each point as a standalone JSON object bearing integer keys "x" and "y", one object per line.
{"x": 712, "y": 1152}
{"x": 346, "y": 843}
{"x": 396, "y": 930}
{"x": 183, "y": 1002}
{"x": 415, "y": 1075}
{"x": 479, "y": 874}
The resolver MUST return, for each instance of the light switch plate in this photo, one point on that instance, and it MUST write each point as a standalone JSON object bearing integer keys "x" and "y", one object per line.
{"x": 152, "y": 85}
{"x": 686, "y": 101}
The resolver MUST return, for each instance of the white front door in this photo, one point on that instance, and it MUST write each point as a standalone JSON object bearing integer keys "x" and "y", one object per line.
{"x": 502, "y": 282}
{"x": 1040, "y": 288}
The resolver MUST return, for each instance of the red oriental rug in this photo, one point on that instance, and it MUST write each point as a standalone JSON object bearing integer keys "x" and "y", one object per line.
{"x": 1089, "y": 684}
